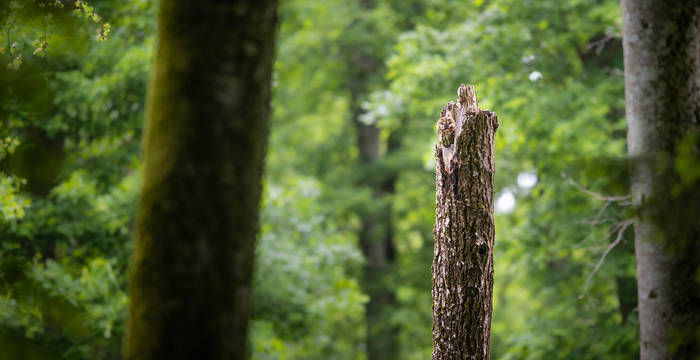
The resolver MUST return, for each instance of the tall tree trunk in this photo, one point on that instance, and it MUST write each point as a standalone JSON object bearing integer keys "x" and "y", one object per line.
{"x": 376, "y": 233}
{"x": 377, "y": 244}
{"x": 464, "y": 230}
{"x": 661, "y": 42}
{"x": 205, "y": 141}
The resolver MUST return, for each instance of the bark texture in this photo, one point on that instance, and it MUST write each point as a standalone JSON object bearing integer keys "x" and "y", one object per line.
{"x": 661, "y": 41}
{"x": 205, "y": 141}
{"x": 464, "y": 230}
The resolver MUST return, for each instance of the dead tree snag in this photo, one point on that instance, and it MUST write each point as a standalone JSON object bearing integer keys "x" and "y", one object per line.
{"x": 464, "y": 230}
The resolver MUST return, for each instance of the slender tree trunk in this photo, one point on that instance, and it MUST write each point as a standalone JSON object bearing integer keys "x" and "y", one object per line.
{"x": 464, "y": 230}
{"x": 376, "y": 233}
{"x": 661, "y": 42}
{"x": 205, "y": 141}
{"x": 377, "y": 243}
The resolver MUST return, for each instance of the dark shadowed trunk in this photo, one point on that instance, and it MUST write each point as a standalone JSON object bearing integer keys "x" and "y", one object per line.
{"x": 204, "y": 146}
{"x": 464, "y": 230}
{"x": 662, "y": 69}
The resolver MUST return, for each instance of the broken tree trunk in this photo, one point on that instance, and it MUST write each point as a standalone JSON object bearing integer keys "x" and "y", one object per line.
{"x": 464, "y": 230}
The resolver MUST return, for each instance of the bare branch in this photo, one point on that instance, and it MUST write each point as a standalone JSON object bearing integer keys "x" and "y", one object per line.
{"x": 624, "y": 199}
{"x": 620, "y": 228}
{"x": 600, "y": 213}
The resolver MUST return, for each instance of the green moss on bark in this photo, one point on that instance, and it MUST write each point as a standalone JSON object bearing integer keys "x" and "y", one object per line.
{"x": 464, "y": 236}
{"x": 204, "y": 146}
{"x": 661, "y": 42}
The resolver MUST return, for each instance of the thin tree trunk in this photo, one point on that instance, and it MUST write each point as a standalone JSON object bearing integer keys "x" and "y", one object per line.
{"x": 661, "y": 41}
{"x": 205, "y": 141}
{"x": 376, "y": 233}
{"x": 377, "y": 243}
{"x": 464, "y": 230}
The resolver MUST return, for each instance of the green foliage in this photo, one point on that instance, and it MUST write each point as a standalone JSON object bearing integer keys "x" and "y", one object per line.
{"x": 32, "y": 23}
{"x": 553, "y": 73}
{"x": 73, "y": 121}
{"x": 551, "y": 70}
{"x": 307, "y": 303}
{"x": 12, "y": 202}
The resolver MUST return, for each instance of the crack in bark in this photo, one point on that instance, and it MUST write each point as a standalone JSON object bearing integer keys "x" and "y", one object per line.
{"x": 464, "y": 234}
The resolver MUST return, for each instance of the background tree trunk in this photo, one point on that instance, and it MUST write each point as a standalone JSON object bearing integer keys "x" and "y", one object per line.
{"x": 662, "y": 72}
{"x": 376, "y": 240}
{"x": 204, "y": 147}
{"x": 464, "y": 230}
{"x": 377, "y": 243}
{"x": 375, "y": 236}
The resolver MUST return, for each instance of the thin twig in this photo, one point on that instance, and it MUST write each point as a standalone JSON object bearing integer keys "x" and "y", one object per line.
{"x": 600, "y": 221}
{"x": 621, "y": 227}
{"x": 600, "y": 212}
{"x": 594, "y": 194}
{"x": 600, "y": 44}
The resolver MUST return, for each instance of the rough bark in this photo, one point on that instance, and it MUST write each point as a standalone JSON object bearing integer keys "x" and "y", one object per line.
{"x": 205, "y": 140}
{"x": 661, "y": 41}
{"x": 464, "y": 230}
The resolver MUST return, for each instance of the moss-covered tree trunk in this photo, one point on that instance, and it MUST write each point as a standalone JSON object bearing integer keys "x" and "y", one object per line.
{"x": 464, "y": 230}
{"x": 205, "y": 141}
{"x": 661, "y": 41}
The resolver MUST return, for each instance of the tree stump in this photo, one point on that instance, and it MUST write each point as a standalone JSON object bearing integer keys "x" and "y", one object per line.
{"x": 464, "y": 229}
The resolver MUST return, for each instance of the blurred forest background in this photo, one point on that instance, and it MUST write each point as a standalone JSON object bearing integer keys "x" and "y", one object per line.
{"x": 345, "y": 245}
